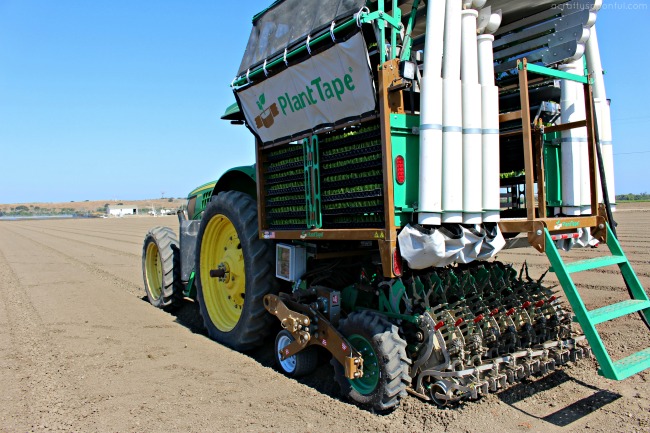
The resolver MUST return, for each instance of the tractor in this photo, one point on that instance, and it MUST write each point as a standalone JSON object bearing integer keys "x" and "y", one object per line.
{"x": 400, "y": 146}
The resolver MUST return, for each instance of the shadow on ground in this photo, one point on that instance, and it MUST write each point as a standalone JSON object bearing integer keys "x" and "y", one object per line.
{"x": 322, "y": 380}
{"x": 566, "y": 415}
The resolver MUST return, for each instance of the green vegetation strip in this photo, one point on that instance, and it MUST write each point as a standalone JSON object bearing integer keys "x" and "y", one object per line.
{"x": 352, "y": 189}
{"x": 351, "y": 176}
{"x": 351, "y": 147}
{"x": 282, "y": 175}
{"x": 351, "y": 133}
{"x": 286, "y": 185}
{"x": 288, "y": 222}
{"x": 353, "y": 161}
{"x": 356, "y": 204}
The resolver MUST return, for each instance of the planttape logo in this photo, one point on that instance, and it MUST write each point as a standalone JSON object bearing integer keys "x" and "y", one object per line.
{"x": 566, "y": 224}
{"x": 315, "y": 92}
{"x": 267, "y": 117}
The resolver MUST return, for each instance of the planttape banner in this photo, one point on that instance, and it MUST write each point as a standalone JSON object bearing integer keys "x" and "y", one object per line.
{"x": 325, "y": 89}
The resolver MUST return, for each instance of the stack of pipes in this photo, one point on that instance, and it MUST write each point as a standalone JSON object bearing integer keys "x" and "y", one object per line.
{"x": 459, "y": 134}
{"x": 576, "y": 188}
{"x": 603, "y": 114}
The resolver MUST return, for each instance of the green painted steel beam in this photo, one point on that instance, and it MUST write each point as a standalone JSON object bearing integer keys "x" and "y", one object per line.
{"x": 579, "y": 308}
{"x": 615, "y": 311}
{"x": 382, "y": 33}
{"x": 554, "y": 73}
{"x": 637, "y": 290}
{"x": 623, "y": 368}
{"x": 395, "y": 29}
{"x": 408, "y": 39}
{"x": 381, "y": 15}
{"x": 595, "y": 263}
{"x": 632, "y": 364}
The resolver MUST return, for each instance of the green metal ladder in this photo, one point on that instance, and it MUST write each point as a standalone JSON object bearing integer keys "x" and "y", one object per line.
{"x": 623, "y": 368}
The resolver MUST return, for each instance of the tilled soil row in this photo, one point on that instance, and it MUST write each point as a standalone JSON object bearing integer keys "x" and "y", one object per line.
{"x": 81, "y": 350}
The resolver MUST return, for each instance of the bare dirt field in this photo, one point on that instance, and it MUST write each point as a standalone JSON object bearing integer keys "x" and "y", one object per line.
{"x": 94, "y": 206}
{"x": 82, "y": 350}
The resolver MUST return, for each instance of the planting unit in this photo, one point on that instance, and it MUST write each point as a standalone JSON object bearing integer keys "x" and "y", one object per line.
{"x": 400, "y": 145}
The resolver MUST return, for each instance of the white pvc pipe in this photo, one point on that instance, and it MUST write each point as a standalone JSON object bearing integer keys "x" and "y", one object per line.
{"x": 603, "y": 115}
{"x": 452, "y": 121}
{"x": 490, "y": 126}
{"x": 452, "y": 40}
{"x": 430, "y": 195}
{"x": 574, "y": 144}
{"x": 472, "y": 134}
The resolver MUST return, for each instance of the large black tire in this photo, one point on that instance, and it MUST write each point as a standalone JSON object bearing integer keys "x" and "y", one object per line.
{"x": 218, "y": 298}
{"x": 388, "y": 351}
{"x": 300, "y": 364}
{"x": 161, "y": 267}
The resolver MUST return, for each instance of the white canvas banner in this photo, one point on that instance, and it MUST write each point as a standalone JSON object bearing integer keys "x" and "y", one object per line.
{"x": 321, "y": 91}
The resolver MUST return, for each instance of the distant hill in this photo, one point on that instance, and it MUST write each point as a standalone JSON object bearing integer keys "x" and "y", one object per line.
{"x": 89, "y": 207}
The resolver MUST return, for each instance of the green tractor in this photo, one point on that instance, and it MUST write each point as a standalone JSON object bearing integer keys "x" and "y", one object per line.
{"x": 388, "y": 176}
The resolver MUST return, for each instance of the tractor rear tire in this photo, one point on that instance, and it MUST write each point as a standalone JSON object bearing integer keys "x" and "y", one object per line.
{"x": 385, "y": 364}
{"x": 161, "y": 267}
{"x": 300, "y": 364}
{"x": 242, "y": 267}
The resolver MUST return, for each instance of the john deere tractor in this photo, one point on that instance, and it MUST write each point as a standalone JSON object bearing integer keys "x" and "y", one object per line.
{"x": 400, "y": 146}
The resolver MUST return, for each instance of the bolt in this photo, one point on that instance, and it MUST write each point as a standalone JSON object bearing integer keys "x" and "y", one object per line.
{"x": 601, "y": 226}
{"x": 539, "y": 232}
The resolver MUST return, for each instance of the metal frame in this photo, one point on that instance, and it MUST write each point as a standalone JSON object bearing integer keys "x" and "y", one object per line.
{"x": 536, "y": 221}
{"x": 588, "y": 319}
{"x": 389, "y": 102}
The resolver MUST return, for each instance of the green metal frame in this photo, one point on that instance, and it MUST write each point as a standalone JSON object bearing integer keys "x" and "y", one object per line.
{"x": 623, "y": 368}
{"x": 314, "y": 216}
{"x": 407, "y": 44}
{"x": 553, "y": 73}
{"x": 553, "y": 169}
{"x": 405, "y": 143}
{"x": 190, "y": 288}
{"x": 382, "y": 19}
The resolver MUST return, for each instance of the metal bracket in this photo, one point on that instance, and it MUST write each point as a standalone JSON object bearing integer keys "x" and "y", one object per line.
{"x": 312, "y": 328}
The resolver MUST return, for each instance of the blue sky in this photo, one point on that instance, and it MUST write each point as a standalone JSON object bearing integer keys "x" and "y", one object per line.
{"x": 121, "y": 99}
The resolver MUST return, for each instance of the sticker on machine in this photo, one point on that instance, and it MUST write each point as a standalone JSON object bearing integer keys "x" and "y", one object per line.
{"x": 328, "y": 87}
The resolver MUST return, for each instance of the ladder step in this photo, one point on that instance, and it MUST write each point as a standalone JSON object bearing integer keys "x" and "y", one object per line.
{"x": 595, "y": 263}
{"x": 615, "y": 311}
{"x": 632, "y": 365}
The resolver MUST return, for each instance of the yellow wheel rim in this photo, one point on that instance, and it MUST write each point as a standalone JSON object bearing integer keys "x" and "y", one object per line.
{"x": 153, "y": 267}
{"x": 221, "y": 249}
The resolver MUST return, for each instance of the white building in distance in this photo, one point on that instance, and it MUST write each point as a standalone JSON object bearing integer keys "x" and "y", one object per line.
{"x": 121, "y": 210}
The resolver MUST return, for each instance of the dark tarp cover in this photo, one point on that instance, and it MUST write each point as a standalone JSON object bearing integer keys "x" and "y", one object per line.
{"x": 287, "y": 22}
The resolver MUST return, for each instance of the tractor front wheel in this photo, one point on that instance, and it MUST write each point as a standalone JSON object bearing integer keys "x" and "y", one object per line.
{"x": 160, "y": 267}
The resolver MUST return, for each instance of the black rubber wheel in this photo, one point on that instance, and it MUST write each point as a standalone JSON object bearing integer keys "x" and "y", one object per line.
{"x": 386, "y": 366}
{"x": 161, "y": 267}
{"x": 231, "y": 300}
{"x": 300, "y": 364}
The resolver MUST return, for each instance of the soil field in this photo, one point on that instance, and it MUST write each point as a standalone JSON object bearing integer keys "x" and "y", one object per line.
{"x": 82, "y": 350}
{"x": 93, "y": 207}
